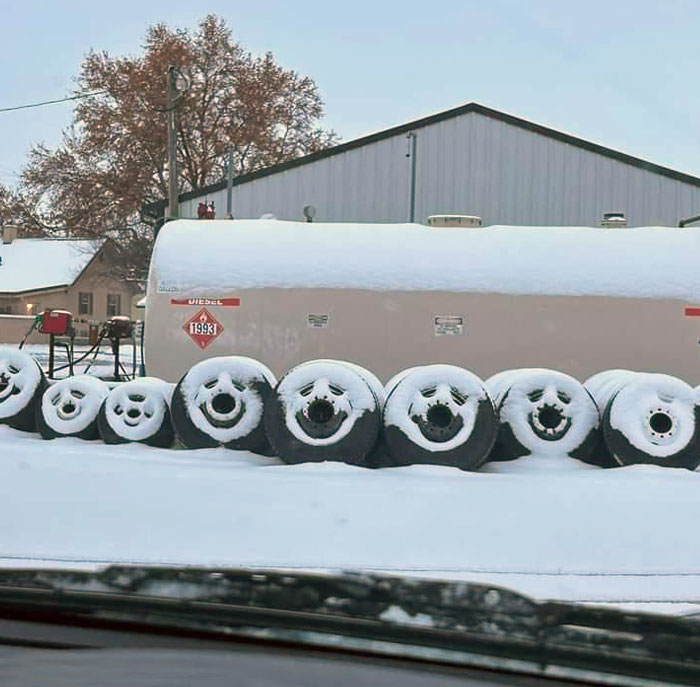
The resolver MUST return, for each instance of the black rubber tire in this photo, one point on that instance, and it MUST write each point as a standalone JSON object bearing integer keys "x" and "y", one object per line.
{"x": 88, "y": 431}
{"x": 397, "y": 448}
{"x": 354, "y": 446}
{"x": 624, "y": 452}
{"x": 193, "y": 437}
{"x": 162, "y": 435}
{"x": 23, "y": 418}
{"x": 509, "y": 446}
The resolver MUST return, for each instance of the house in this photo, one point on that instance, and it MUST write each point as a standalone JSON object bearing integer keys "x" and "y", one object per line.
{"x": 470, "y": 160}
{"x": 60, "y": 274}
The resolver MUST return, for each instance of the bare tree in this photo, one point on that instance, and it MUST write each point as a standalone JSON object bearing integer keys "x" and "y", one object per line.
{"x": 113, "y": 159}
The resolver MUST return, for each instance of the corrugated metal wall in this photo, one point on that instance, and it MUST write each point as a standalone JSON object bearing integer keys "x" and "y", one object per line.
{"x": 469, "y": 164}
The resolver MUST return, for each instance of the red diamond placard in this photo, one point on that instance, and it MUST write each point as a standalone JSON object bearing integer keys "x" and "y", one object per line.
{"x": 203, "y": 328}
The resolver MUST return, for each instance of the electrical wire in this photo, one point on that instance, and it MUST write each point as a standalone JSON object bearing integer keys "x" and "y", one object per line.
{"x": 52, "y": 102}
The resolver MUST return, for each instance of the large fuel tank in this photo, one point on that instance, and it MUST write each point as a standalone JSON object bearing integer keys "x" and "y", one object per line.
{"x": 390, "y": 296}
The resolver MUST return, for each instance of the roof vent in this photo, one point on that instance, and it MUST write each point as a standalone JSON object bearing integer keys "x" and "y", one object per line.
{"x": 613, "y": 220}
{"x": 465, "y": 221}
{"x": 9, "y": 233}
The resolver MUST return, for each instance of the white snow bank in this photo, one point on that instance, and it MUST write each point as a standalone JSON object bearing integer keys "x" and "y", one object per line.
{"x": 29, "y": 264}
{"x": 246, "y": 254}
{"x": 624, "y": 534}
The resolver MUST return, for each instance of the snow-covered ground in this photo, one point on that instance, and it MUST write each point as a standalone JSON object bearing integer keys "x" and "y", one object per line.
{"x": 549, "y": 527}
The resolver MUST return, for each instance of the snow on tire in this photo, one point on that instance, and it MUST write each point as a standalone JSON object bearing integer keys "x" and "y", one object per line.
{"x": 655, "y": 419}
{"x": 439, "y": 414}
{"x": 137, "y": 411}
{"x": 324, "y": 410}
{"x": 69, "y": 408}
{"x": 22, "y": 383}
{"x": 543, "y": 412}
{"x": 220, "y": 401}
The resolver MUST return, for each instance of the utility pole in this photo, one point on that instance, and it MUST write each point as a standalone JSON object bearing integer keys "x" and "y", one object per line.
{"x": 412, "y": 139}
{"x": 172, "y": 144}
{"x": 229, "y": 185}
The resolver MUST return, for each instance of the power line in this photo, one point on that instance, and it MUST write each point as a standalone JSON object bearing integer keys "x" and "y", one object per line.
{"x": 52, "y": 102}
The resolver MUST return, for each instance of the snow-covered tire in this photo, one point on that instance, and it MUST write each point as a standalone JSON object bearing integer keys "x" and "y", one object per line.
{"x": 22, "y": 383}
{"x": 220, "y": 402}
{"x": 654, "y": 419}
{"x": 603, "y": 386}
{"x": 441, "y": 415}
{"x": 543, "y": 412}
{"x": 323, "y": 410}
{"x": 69, "y": 408}
{"x": 137, "y": 411}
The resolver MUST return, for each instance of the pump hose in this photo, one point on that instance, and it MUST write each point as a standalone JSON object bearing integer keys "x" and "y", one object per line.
{"x": 85, "y": 355}
{"x": 37, "y": 319}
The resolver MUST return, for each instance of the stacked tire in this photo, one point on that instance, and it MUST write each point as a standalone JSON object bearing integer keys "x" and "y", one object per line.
{"x": 544, "y": 412}
{"x": 648, "y": 418}
{"x": 220, "y": 402}
{"x": 332, "y": 410}
{"x": 22, "y": 385}
{"x": 324, "y": 410}
{"x": 439, "y": 415}
{"x": 137, "y": 411}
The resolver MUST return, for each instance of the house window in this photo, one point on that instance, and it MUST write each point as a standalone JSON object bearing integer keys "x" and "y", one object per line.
{"x": 5, "y": 309}
{"x": 33, "y": 308}
{"x": 114, "y": 304}
{"x": 85, "y": 303}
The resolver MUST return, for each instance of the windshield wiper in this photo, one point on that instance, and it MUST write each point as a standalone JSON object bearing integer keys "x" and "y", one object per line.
{"x": 458, "y": 622}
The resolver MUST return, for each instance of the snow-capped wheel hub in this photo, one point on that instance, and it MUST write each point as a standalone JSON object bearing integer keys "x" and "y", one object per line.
{"x": 323, "y": 407}
{"x": 661, "y": 426}
{"x": 654, "y": 419}
{"x": 440, "y": 415}
{"x": 324, "y": 410}
{"x": 549, "y": 418}
{"x": 137, "y": 411}
{"x": 134, "y": 410}
{"x": 220, "y": 401}
{"x": 10, "y": 383}
{"x": 21, "y": 384}
{"x": 544, "y": 412}
{"x": 70, "y": 407}
{"x": 435, "y": 410}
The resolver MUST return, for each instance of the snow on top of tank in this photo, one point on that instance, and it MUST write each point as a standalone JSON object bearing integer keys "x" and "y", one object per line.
{"x": 203, "y": 258}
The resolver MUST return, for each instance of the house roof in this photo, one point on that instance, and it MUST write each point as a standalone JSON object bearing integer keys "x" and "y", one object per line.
{"x": 40, "y": 264}
{"x": 156, "y": 209}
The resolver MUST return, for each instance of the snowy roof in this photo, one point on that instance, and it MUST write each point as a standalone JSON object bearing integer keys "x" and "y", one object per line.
{"x": 217, "y": 257}
{"x": 33, "y": 264}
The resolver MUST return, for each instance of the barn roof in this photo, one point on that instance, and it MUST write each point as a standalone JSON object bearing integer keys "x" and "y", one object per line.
{"x": 40, "y": 264}
{"x": 156, "y": 209}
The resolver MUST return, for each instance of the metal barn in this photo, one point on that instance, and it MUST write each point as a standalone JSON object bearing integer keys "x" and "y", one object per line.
{"x": 471, "y": 159}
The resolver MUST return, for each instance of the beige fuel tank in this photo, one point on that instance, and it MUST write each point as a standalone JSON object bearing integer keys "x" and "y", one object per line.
{"x": 390, "y": 296}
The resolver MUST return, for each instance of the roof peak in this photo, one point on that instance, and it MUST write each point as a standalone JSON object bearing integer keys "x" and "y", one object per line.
{"x": 153, "y": 209}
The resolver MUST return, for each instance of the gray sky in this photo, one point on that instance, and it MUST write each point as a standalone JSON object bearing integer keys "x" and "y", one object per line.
{"x": 617, "y": 72}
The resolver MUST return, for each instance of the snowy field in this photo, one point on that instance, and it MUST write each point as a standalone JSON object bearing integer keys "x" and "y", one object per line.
{"x": 549, "y": 527}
